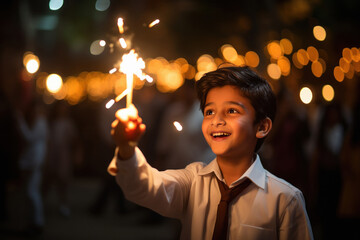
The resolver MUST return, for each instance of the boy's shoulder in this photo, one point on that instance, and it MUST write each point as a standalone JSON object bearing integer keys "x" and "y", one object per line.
{"x": 280, "y": 187}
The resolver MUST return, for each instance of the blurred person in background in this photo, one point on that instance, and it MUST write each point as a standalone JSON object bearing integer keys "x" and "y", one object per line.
{"x": 288, "y": 139}
{"x": 64, "y": 150}
{"x": 176, "y": 149}
{"x": 326, "y": 180}
{"x": 34, "y": 131}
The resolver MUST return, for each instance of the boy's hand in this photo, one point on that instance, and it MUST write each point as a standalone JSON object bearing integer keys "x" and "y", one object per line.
{"x": 126, "y": 131}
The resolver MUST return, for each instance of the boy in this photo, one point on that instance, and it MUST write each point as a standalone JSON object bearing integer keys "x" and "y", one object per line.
{"x": 238, "y": 108}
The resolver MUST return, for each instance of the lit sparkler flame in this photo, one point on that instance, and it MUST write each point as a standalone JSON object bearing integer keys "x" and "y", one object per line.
{"x": 131, "y": 65}
{"x": 153, "y": 23}
{"x": 120, "y": 24}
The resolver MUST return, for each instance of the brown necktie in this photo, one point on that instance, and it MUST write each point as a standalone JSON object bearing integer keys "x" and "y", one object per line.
{"x": 227, "y": 195}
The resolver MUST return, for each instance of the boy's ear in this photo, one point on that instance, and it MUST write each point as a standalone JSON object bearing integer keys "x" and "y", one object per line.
{"x": 264, "y": 128}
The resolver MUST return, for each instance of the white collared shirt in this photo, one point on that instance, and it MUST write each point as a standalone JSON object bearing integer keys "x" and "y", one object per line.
{"x": 270, "y": 208}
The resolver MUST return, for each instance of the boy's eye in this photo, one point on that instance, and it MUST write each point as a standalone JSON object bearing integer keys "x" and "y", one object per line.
{"x": 232, "y": 110}
{"x": 209, "y": 112}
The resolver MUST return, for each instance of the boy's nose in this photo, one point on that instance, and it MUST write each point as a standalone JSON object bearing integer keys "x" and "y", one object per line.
{"x": 218, "y": 120}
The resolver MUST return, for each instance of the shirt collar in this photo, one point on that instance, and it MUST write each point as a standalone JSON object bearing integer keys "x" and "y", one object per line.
{"x": 256, "y": 172}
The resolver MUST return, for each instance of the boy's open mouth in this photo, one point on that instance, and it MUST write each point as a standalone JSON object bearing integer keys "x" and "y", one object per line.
{"x": 219, "y": 135}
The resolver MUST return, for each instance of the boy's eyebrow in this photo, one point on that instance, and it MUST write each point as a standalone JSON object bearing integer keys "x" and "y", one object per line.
{"x": 237, "y": 103}
{"x": 228, "y": 102}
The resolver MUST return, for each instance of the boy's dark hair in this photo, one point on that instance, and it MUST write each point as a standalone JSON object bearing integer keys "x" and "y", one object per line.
{"x": 251, "y": 86}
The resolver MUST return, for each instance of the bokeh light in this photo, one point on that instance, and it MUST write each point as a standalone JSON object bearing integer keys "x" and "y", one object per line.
{"x": 274, "y": 71}
{"x": 338, "y": 74}
{"x": 274, "y": 49}
{"x": 97, "y": 47}
{"x": 55, "y": 4}
{"x": 306, "y": 95}
{"x": 328, "y": 92}
{"x": 229, "y": 53}
{"x": 286, "y": 45}
{"x": 102, "y": 5}
{"x": 252, "y": 59}
{"x": 319, "y": 33}
{"x": 316, "y": 68}
{"x": 54, "y": 83}
{"x": 32, "y": 66}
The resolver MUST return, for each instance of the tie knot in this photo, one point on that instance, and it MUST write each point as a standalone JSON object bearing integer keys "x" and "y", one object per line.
{"x": 228, "y": 194}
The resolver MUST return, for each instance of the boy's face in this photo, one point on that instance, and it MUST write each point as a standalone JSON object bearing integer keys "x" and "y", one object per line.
{"x": 228, "y": 124}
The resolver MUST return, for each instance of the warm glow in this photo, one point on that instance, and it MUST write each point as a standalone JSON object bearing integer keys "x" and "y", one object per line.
{"x": 240, "y": 61}
{"x": 54, "y": 83}
{"x": 306, "y": 95}
{"x": 347, "y": 54}
{"x": 302, "y": 57}
{"x": 252, "y": 59}
{"x": 274, "y": 71}
{"x": 31, "y": 62}
{"x": 350, "y": 73}
{"x": 32, "y": 66}
{"x": 178, "y": 126}
{"x": 312, "y": 53}
{"x": 356, "y": 66}
{"x": 286, "y": 45}
{"x": 319, "y": 33}
{"x": 284, "y": 65}
{"x": 229, "y": 53}
{"x": 190, "y": 72}
{"x": 338, "y": 74}
{"x": 344, "y": 65}
{"x": 206, "y": 63}
{"x": 355, "y": 54}
{"x": 328, "y": 93}
{"x": 154, "y": 23}
{"x": 323, "y": 64}
{"x": 169, "y": 79}
{"x": 274, "y": 49}
{"x": 296, "y": 61}
{"x": 317, "y": 69}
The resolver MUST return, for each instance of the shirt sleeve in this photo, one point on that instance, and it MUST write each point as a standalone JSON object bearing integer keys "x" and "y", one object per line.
{"x": 165, "y": 192}
{"x": 294, "y": 222}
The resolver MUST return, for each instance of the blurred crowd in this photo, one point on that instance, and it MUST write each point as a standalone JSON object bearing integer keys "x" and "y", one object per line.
{"x": 45, "y": 147}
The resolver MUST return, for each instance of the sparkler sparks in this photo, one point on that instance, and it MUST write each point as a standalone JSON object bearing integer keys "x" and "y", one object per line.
{"x": 153, "y": 23}
{"x": 123, "y": 43}
{"x": 120, "y": 24}
{"x": 130, "y": 65}
{"x": 178, "y": 126}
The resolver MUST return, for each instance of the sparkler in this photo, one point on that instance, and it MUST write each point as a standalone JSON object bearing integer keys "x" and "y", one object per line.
{"x": 131, "y": 65}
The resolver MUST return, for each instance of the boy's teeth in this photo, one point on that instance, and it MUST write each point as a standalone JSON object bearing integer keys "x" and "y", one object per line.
{"x": 220, "y": 134}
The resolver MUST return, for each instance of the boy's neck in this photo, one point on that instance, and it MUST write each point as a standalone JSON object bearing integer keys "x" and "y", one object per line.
{"x": 233, "y": 169}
